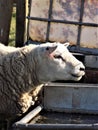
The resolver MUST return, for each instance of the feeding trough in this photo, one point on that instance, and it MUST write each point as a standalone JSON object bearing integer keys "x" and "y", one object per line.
{"x": 66, "y": 106}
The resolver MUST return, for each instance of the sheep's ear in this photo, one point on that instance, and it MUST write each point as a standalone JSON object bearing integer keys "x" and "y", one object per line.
{"x": 66, "y": 44}
{"x": 50, "y": 49}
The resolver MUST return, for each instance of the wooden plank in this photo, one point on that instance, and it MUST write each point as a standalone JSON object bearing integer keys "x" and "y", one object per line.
{"x": 20, "y": 22}
{"x": 5, "y": 20}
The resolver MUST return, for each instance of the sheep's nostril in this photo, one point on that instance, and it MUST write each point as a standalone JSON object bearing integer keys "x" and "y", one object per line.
{"x": 82, "y": 69}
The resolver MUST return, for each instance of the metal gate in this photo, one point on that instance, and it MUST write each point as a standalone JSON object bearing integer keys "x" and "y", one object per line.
{"x": 75, "y": 19}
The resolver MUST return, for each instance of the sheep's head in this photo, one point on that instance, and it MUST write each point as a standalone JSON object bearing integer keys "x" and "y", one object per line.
{"x": 57, "y": 63}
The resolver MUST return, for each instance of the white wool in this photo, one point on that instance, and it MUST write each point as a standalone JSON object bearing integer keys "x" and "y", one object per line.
{"x": 24, "y": 70}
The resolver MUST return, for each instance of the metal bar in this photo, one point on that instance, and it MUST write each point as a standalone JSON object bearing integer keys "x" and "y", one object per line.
{"x": 63, "y": 21}
{"x": 20, "y": 22}
{"x": 29, "y": 116}
{"x": 87, "y": 51}
{"x": 71, "y": 85}
{"x": 49, "y": 20}
{"x": 80, "y": 20}
{"x": 82, "y": 50}
{"x": 29, "y": 9}
{"x": 58, "y": 126}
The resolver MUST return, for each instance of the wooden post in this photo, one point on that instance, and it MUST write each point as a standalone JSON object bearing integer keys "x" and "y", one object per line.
{"x": 20, "y": 22}
{"x": 5, "y": 20}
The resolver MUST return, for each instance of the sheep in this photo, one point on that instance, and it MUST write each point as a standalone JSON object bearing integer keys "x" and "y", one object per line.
{"x": 23, "y": 71}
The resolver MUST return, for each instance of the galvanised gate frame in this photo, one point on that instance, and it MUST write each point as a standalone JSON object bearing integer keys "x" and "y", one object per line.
{"x": 80, "y": 23}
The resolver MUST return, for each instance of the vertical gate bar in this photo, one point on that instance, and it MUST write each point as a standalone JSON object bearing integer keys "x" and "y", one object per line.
{"x": 49, "y": 20}
{"x": 80, "y": 21}
{"x": 28, "y": 17}
{"x": 20, "y": 22}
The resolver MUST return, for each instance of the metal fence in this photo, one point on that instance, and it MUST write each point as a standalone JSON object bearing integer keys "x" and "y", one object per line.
{"x": 80, "y": 23}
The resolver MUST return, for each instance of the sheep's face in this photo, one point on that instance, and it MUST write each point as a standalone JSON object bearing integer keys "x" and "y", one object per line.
{"x": 57, "y": 63}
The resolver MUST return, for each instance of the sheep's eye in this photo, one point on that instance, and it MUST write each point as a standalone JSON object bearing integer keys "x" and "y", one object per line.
{"x": 47, "y": 48}
{"x": 59, "y": 57}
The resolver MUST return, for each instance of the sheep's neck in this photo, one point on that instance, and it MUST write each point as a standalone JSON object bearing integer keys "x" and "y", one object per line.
{"x": 31, "y": 77}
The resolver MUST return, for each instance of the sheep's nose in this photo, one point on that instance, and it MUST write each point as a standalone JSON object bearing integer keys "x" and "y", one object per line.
{"x": 82, "y": 68}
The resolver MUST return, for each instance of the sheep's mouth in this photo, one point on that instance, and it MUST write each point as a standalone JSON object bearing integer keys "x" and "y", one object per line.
{"x": 82, "y": 73}
{"x": 74, "y": 75}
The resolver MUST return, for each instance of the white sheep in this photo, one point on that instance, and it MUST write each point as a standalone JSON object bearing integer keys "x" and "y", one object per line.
{"x": 22, "y": 70}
